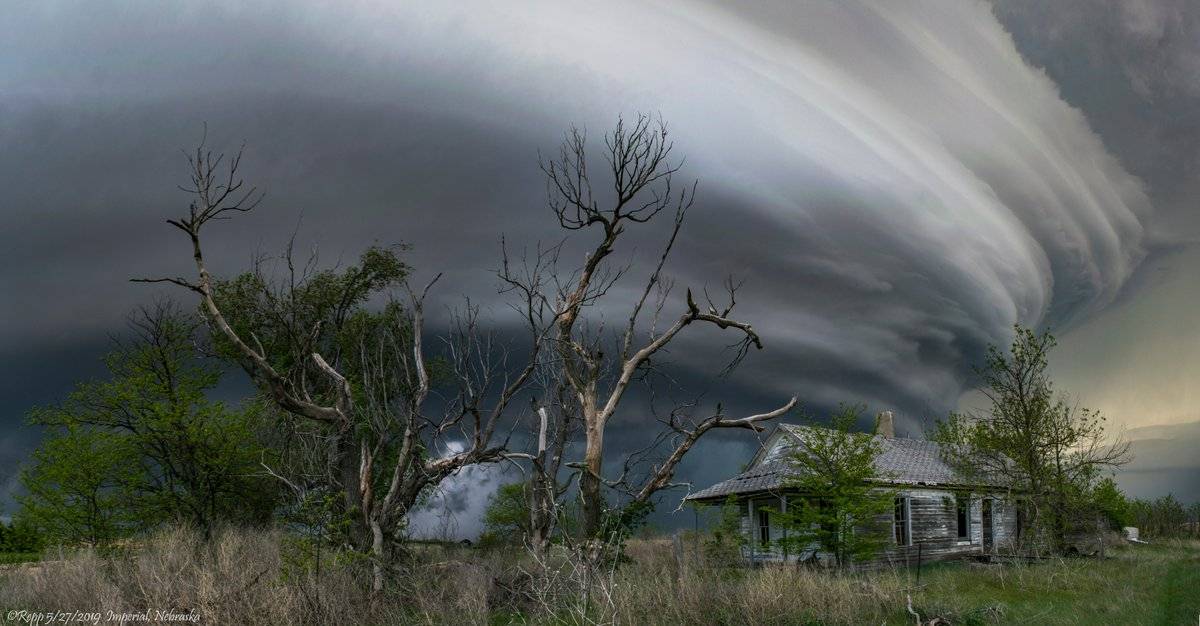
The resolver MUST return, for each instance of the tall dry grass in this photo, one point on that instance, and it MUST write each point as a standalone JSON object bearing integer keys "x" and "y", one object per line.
{"x": 248, "y": 577}
{"x": 236, "y": 578}
{"x": 255, "y": 577}
{"x": 664, "y": 585}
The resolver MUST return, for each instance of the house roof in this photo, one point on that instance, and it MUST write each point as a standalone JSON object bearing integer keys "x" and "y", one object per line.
{"x": 903, "y": 461}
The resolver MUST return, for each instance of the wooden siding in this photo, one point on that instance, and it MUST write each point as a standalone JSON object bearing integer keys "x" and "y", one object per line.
{"x": 933, "y": 529}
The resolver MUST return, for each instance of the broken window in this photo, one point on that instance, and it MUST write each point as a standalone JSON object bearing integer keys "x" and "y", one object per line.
{"x": 900, "y": 523}
{"x": 964, "y": 515}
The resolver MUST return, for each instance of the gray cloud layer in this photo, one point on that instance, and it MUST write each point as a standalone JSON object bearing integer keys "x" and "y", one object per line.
{"x": 895, "y": 182}
{"x": 1134, "y": 67}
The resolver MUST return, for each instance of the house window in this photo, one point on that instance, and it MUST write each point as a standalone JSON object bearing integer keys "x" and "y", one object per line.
{"x": 764, "y": 527}
{"x": 964, "y": 516}
{"x": 900, "y": 523}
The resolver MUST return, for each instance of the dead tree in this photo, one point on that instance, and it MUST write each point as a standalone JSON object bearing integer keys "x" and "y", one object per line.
{"x": 556, "y": 414}
{"x": 638, "y": 157}
{"x": 545, "y": 487}
{"x": 386, "y": 447}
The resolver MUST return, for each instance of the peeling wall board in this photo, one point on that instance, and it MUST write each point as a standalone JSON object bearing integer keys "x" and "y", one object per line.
{"x": 933, "y": 522}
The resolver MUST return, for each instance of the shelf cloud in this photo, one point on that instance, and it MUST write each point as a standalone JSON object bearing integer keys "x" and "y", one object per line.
{"x": 897, "y": 185}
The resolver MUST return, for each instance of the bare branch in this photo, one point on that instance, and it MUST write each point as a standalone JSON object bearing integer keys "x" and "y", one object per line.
{"x": 663, "y": 473}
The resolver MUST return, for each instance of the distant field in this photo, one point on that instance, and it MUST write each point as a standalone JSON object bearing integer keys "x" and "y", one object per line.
{"x": 257, "y": 577}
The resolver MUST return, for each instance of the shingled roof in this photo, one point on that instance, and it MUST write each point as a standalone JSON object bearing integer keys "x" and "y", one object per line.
{"x": 903, "y": 461}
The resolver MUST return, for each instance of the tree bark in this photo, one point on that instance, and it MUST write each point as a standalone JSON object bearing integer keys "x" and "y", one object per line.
{"x": 591, "y": 498}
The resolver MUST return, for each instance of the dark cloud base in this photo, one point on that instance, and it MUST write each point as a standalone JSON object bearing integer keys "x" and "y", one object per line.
{"x": 894, "y": 205}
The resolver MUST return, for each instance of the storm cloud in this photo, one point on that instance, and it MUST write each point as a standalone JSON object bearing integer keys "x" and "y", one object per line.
{"x": 895, "y": 182}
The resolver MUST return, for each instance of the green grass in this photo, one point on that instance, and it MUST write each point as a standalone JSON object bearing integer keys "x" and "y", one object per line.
{"x": 10, "y": 558}
{"x": 1180, "y": 602}
{"x": 1157, "y": 584}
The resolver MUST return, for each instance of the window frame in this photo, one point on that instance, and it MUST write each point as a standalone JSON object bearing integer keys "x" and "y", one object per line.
{"x": 764, "y": 527}
{"x": 962, "y": 516}
{"x": 902, "y": 521}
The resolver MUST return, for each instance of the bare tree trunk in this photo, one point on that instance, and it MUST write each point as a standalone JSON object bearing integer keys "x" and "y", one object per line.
{"x": 638, "y": 159}
{"x": 541, "y": 526}
{"x": 347, "y": 467}
{"x": 543, "y": 486}
{"x": 377, "y": 559}
{"x": 590, "y": 496}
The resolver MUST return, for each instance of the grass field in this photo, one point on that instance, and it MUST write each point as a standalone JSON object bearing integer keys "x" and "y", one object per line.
{"x": 251, "y": 577}
{"x": 1154, "y": 584}
{"x": 1135, "y": 584}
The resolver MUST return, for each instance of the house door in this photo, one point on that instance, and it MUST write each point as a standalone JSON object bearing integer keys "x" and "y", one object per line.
{"x": 986, "y": 522}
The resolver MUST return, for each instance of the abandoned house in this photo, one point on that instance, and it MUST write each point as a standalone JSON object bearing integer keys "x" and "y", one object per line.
{"x": 935, "y": 513}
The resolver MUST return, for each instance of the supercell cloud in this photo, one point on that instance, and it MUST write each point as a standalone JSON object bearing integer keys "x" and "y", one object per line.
{"x": 897, "y": 185}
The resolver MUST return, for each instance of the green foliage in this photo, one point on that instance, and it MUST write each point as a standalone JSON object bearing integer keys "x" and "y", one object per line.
{"x": 1033, "y": 439}
{"x": 146, "y": 446}
{"x": 1112, "y": 504}
{"x": 724, "y": 543}
{"x": 841, "y": 504}
{"x": 78, "y": 484}
{"x": 305, "y": 311}
{"x": 282, "y": 319}
{"x": 1019, "y": 419}
{"x": 21, "y": 536}
{"x": 13, "y": 558}
{"x": 315, "y": 523}
{"x": 506, "y": 519}
{"x": 619, "y": 523}
{"x": 1163, "y": 517}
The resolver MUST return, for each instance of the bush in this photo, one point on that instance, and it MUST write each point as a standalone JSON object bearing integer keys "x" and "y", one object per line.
{"x": 723, "y": 546}
{"x": 20, "y": 537}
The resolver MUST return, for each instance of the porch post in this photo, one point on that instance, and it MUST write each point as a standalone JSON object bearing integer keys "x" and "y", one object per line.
{"x": 751, "y": 526}
{"x": 783, "y": 508}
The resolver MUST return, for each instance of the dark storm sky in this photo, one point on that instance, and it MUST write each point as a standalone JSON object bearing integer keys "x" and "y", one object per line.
{"x": 897, "y": 182}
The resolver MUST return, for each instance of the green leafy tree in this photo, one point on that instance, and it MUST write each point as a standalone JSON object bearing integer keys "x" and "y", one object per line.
{"x": 21, "y": 536}
{"x": 78, "y": 487}
{"x": 841, "y": 505}
{"x": 1162, "y": 517}
{"x": 1046, "y": 448}
{"x": 1112, "y": 504}
{"x": 323, "y": 312}
{"x": 506, "y": 519}
{"x": 147, "y": 446}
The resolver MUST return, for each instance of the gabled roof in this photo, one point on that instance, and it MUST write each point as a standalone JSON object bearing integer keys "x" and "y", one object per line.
{"x": 903, "y": 461}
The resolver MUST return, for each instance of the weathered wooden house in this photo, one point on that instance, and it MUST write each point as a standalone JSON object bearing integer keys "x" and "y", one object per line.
{"x": 937, "y": 515}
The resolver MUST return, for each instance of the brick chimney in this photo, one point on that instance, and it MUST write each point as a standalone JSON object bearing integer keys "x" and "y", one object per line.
{"x": 885, "y": 425}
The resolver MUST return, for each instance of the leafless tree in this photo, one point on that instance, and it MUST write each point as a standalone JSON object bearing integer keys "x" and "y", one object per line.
{"x": 527, "y": 280}
{"x": 387, "y": 445}
{"x": 638, "y": 158}
{"x": 545, "y": 486}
